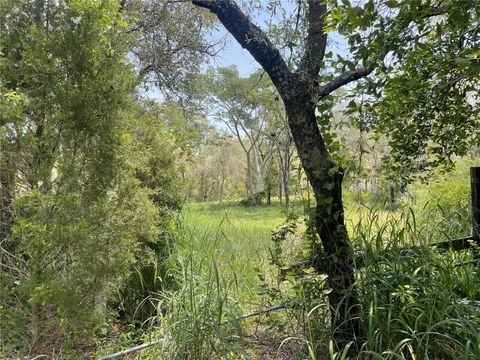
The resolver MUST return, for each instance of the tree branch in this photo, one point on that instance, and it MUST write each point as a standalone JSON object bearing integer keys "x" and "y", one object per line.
{"x": 341, "y": 80}
{"x": 316, "y": 39}
{"x": 251, "y": 38}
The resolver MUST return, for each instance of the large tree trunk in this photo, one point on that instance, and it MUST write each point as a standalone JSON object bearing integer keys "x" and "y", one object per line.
{"x": 259, "y": 181}
{"x": 326, "y": 180}
{"x": 300, "y": 93}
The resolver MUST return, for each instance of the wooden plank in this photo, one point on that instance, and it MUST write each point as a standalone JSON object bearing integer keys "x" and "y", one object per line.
{"x": 455, "y": 244}
{"x": 475, "y": 189}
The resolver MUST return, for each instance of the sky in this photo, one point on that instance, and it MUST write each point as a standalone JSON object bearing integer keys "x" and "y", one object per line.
{"x": 233, "y": 54}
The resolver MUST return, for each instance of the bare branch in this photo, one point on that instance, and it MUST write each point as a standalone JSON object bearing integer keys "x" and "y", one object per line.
{"x": 343, "y": 79}
{"x": 316, "y": 39}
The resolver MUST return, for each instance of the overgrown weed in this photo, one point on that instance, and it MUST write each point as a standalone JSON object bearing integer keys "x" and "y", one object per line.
{"x": 417, "y": 302}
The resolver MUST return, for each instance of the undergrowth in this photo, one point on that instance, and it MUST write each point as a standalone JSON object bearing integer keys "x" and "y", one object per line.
{"x": 417, "y": 301}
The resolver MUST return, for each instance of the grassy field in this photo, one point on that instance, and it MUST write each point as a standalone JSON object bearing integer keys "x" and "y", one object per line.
{"x": 229, "y": 245}
{"x": 238, "y": 238}
{"x": 235, "y": 237}
{"x": 416, "y": 304}
{"x": 421, "y": 303}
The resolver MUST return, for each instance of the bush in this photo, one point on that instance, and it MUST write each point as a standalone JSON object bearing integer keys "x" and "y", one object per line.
{"x": 416, "y": 301}
{"x": 254, "y": 200}
{"x": 443, "y": 204}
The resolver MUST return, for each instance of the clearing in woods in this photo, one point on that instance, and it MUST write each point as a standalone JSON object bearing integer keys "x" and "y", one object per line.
{"x": 238, "y": 238}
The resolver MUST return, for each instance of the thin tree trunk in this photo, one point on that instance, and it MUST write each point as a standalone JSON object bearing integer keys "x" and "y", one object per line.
{"x": 249, "y": 176}
{"x": 7, "y": 177}
{"x": 222, "y": 185}
{"x": 280, "y": 182}
{"x": 286, "y": 189}
{"x": 259, "y": 170}
{"x": 392, "y": 196}
{"x": 286, "y": 175}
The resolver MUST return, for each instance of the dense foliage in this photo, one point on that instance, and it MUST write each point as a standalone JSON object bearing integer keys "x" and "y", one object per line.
{"x": 83, "y": 204}
{"x": 126, "y": 163}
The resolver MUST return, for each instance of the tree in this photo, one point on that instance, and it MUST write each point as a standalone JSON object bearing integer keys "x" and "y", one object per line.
{"x": 170, "y": 45}
{"x": 380, "y": 35}
{"x": 154, "y": 152}
{"x": 79, "y": 215}
{"x": 241, "y": 104}
{"x": 300, "y": 94}
{"x": 57, "y": 60}
{"x": 215, "y": 171}
{"x": 284, "y": 147}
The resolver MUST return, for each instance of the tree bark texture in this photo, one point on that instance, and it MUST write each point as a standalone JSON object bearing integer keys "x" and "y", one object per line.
{"x": 326, "y": 178}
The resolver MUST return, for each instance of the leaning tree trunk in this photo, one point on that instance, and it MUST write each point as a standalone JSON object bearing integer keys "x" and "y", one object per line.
{"x": 300, "y": 93}
{"x": 326, "y": 178}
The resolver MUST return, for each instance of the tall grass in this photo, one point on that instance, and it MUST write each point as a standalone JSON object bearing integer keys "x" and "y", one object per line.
{"x": 201, "y": 318}
{"x": 237, "y": 238}
{"x": 417, "y": 302}
{"x": 221, "y": 249}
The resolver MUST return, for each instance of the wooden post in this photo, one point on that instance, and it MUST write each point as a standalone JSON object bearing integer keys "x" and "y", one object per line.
{"x": 475, "y": 186}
